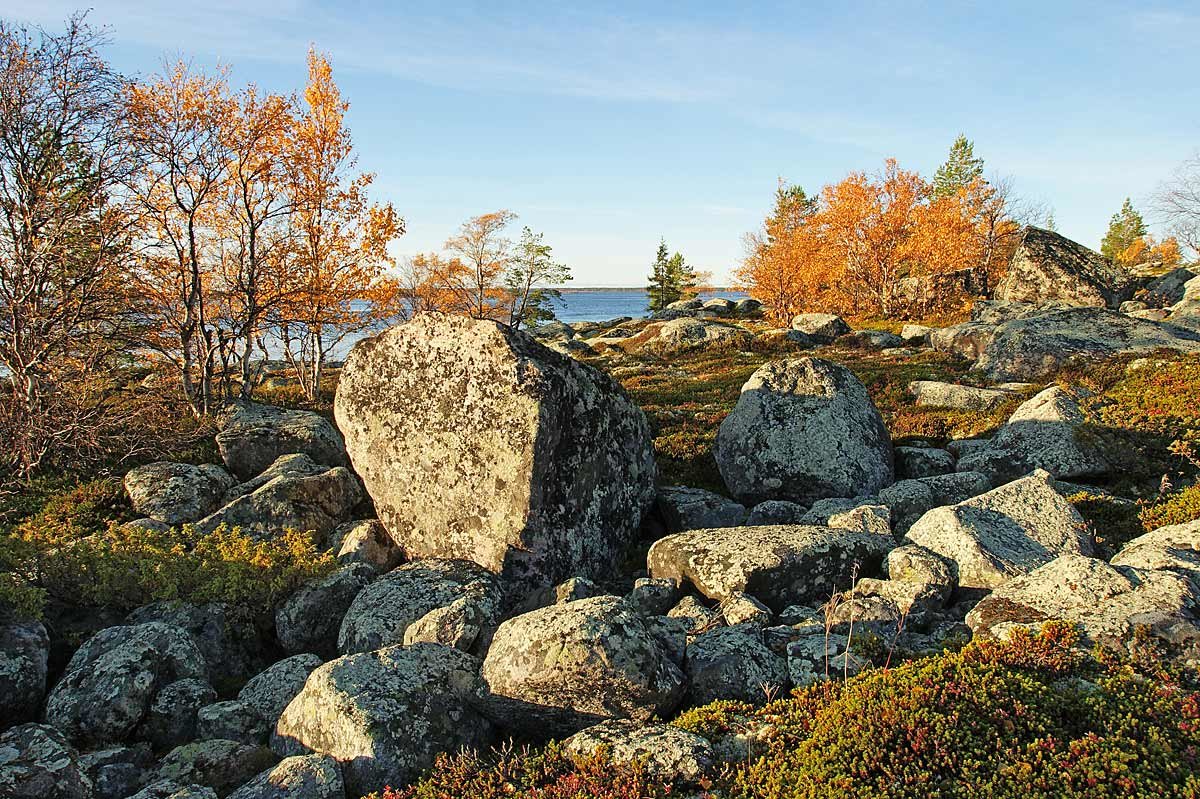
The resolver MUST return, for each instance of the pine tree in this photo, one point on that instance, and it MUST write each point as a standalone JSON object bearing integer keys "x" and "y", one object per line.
{"x": 1051, "y": 224}
{"x": 1124, "y": 230}
{"x": 682, "y": 276}
{"x": 661, "y": 288}
{"x": 960, "y": 169}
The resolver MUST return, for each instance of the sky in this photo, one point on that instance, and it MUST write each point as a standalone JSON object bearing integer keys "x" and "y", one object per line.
{"x": 610, "y": 126}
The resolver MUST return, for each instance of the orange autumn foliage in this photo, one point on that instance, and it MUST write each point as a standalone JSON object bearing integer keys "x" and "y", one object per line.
{"x": 852, "y": 249}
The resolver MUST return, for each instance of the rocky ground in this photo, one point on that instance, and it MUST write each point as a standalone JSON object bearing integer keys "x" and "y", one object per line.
{"x": 585, "y": 534}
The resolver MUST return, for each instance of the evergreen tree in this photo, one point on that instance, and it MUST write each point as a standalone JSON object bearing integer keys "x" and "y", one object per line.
{"x": 792, "y": 207}
{"x": 1124, "y": 230}
{"x": 529, "y": 281}
{"x": 960, "y": 169}
{"x": 682, "y": 276}
{"x": 1051, "y": 225}
{"x": 661, "y": 288}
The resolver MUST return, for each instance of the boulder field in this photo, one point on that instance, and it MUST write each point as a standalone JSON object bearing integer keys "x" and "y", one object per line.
{"x": 518, "y": 572}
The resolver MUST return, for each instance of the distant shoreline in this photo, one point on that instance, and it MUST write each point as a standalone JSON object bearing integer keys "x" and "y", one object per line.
{"x": 587, "y": 289}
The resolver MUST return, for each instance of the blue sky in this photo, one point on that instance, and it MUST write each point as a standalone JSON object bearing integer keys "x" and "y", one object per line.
{"x": 608, "y": 126}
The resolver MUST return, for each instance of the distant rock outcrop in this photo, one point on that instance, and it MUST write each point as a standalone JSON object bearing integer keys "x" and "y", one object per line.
{"x": 477, "y": 442}
{"x": 1048, "y": 267}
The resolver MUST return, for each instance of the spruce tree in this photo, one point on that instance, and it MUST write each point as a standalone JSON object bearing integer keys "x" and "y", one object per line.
{"x": 960, "y": 169}
{"x": 683, "y": 277}
{"x": 661, "y": 290}
{"x": 1124, "y": 229}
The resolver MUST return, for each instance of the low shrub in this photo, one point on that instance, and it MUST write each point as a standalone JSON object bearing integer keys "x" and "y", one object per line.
{"x": 125, "y": 567}
{"x": 1033, "y": 716}
{"x": 1112, "y": 521}
{"x": 546, "y": 773}
{"x": 1178, "y": 508}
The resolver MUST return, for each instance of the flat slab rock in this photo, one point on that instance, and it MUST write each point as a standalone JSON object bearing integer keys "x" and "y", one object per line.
{"x": 781, "y": 565}
{"x": 1109, "y": 603}
{"x": 1004, "y": 533}
{"x": 477, "y": 442}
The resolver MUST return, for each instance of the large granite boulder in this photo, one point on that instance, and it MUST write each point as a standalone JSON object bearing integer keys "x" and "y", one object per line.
{"x": 451, "y": 602}
{"x": 385, "y": 715}
{"x": 781, "y": 565}
{"x": 803, "y": 429}
{"x": 314, "y": 504}
{"x": 1004, "y": 533}
{"x": 297, "y": 777}
{"x": 171, "y": 719}
{"x": 252, "y": 436}
{"x": 1111, "y": 605}
{"x": 667, "y": 753}
{"x": 1043, "y": 433}
{"x": 1036, "y": 347}
{"x": 477, "y": 442}
{"x": 1047, "y": 266}
{"x": 24, "y": 655}
{"x": 822, "y": 328}
{"x": 1166, "y": 290}
{"x": 112, "y": 680}
{"x": 37, "y": 762}
{"x": 562, "y": 668}
{"x": 177, "y": 493}
{"x": 311, "y": 618}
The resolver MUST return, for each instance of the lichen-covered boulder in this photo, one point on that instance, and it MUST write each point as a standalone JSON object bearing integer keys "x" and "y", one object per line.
{"x": 232, "y": 720}
{"x": 231, "y": 644}
{"x": 218, "y": 764}
{"x": 1175, "y": 547}
{"x": 688, "y": 335}
{"x": 1111, "y": 605}
{"x": 365, "y": 541}
{"x": 914, "y": 462}
{"x": 822, "y": 328}
{"x": 314, "y": 504}
{"x": 385, "y": 715}
{"x": 1043, "y": 433}
{"x": 451, "y": 602}
{"x": 476, "y": 442}
{"x": 562, "y": 668}
{"x": 24, "y": 653}
{"x": 171, "y": 719}
{"x": 1047, "y": 266}
{"x": 937, "y": 394}
{"x": 177, "y": 493}
{"x": 803, "y": 429}
{"x": 668, "y": 753}
{"x": 683, "y": 508}
{"x": 112, "y": 680}
{"x": 1004, "y": 533}
{"x": 298, "y": 777}
{"x": 252, "y": 436}
{"x": 733, "y": 663}
{"x": 776, "y": 511}
{"x": 169, "y": 789}
{"x": 781, "y": 565}
{"x": 310, "y": 619}
{"x": 271, "y": 691}
{"x": 37, "y": 762}
{"x": 1037, "y": 347}
{"x": 117, "y": 772}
